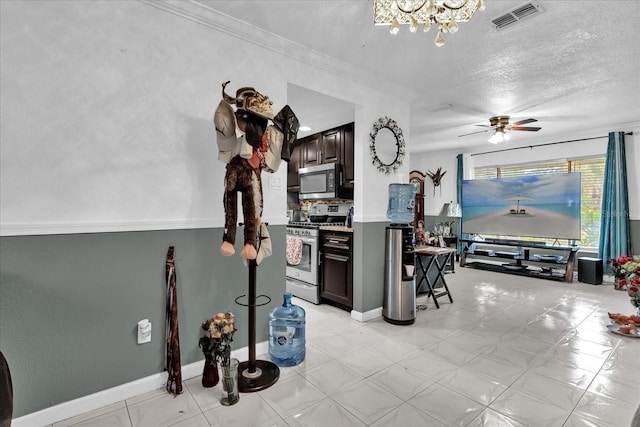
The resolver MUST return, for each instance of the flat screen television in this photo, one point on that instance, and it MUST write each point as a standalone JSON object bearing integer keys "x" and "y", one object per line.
{"x": 544, "y": 206}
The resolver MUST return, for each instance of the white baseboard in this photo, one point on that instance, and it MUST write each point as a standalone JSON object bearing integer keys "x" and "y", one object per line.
{"x": 367, "y": 315}
{"x": 112, "y": 395}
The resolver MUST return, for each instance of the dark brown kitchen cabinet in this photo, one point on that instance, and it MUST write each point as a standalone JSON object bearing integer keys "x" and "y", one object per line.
{"x": 322, "y": 148}
{"x": 310, "y": 151}
{"x": 331, "y": 146}
{"x": 336, "y": 269}
{"x": 348, "y": 153}
{"x": 293, "y": 181}
{"x": 330, "y": 149}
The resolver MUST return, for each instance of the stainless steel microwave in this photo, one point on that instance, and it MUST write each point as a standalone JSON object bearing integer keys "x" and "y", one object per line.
{"x": 320, "y": 182}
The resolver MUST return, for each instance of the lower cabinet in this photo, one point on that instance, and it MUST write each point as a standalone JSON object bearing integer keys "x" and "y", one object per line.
{"x": 336, "y": 266}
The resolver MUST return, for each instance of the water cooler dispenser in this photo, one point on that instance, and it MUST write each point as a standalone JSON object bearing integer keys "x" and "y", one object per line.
{"x": 399, "y": 305}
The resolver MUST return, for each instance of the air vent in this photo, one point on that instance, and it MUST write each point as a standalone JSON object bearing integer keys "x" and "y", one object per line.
{"x": 515, "y": 15}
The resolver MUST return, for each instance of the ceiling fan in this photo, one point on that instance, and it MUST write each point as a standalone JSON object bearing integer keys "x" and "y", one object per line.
{"x": 500, "y": 125}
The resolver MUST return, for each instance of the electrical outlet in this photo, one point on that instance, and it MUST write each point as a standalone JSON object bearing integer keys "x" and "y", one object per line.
{"x": 144, "y": 331}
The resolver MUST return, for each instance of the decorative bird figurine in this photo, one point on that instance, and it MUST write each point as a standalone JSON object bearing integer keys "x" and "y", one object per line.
{"x": 436, "y": 178}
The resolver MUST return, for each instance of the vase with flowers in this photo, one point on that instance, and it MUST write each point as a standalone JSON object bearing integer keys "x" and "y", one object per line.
{"x": 625, "y": 268}
{"x": 210, "y": 376}
{"x": 217, "y": 341}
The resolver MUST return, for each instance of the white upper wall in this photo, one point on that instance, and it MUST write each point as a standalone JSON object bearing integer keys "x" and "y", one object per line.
{"x": 107, "y": 106}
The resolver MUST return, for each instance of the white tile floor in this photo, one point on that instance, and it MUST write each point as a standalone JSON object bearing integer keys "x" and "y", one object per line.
{"x": 510, "y": 351}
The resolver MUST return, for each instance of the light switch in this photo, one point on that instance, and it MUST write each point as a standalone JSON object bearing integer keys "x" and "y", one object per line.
{"x": 274, "y": 183}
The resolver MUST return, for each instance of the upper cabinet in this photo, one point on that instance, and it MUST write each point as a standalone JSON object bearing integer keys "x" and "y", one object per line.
{"x": 322, "y": 148}
{"x": 293, "y": 181}
{"x": 347, "y": 159}
{"x": 312, "y": 151}
{"x": 331, "y": 146}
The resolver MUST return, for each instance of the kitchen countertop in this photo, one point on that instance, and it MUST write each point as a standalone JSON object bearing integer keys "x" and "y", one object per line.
{"x": 336, "y": 228}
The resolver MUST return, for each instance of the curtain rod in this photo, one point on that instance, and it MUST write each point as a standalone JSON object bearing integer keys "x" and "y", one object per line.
{"x": 542, "y": 145}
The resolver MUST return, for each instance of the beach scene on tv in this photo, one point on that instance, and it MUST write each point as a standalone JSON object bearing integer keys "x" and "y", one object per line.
{"x": 545, "y": 206}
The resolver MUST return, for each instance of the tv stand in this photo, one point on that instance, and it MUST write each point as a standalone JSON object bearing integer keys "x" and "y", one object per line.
{"x": 524, "y": 258}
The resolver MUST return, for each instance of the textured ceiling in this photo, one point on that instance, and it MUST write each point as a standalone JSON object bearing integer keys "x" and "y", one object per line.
{"x": 574, "y": 66}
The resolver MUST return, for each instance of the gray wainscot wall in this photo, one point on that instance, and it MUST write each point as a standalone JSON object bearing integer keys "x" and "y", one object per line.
{"x": 70, "y": 306}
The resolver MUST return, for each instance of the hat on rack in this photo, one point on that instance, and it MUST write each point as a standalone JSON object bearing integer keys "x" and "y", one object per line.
{"x": 260, "y": 105}
{"x": 242, "y": 94}
{"x": 249, "y": 99}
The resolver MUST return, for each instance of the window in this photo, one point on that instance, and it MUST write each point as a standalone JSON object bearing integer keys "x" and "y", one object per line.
{"x": 592, "y": 177}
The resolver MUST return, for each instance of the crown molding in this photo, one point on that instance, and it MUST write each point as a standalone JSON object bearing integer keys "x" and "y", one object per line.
{"x": 202, "y": 14}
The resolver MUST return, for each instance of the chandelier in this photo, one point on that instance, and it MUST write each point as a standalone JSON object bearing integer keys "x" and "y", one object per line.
{"x": 444, "y": 13}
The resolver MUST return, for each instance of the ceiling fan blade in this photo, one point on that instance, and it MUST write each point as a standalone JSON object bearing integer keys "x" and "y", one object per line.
{"x": 484, "y": 126}
{"x": 529, "y": 128}
{"x": 472, "y": 133}
{"x": 524, "y": 122}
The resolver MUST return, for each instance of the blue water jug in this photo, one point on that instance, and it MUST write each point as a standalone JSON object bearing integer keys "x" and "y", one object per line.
{"x": 287, "y": 333}
{"x": 402, "y": 201}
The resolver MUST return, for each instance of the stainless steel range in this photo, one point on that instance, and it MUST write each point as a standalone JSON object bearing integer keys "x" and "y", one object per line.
{"x": 303, "y": 238}
{"x": 302, "y": 262}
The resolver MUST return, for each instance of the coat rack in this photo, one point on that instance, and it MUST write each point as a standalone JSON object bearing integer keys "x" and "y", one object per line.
{"x": 255, "y": 375}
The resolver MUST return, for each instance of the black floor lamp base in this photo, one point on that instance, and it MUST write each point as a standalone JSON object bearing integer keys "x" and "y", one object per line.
{"x": 265, "y": 375}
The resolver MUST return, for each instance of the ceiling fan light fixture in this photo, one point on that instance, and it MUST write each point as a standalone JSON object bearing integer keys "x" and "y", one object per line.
{"x": 446, "y": 13}
{"x": 501, "y": 128}
{"x": 497, "y": 137}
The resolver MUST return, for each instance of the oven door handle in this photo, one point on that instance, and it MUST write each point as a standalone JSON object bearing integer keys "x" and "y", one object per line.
{"x": 311, "y": 241}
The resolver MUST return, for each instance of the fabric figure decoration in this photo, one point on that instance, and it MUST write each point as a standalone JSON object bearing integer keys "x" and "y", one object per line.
{"x": 248, "y": 144}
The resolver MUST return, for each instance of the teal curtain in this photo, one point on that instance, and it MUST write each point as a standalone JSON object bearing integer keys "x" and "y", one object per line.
{"x": 460, "y": 177}
{"x": 615, "y": 236}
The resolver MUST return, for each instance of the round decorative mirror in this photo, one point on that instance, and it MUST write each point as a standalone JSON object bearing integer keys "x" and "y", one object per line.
{"x": 386, "y": 145}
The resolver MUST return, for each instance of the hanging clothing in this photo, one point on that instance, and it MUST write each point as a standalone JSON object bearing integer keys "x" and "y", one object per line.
{"x": 172, "y": 360}
{"x": 6, "y": 393}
